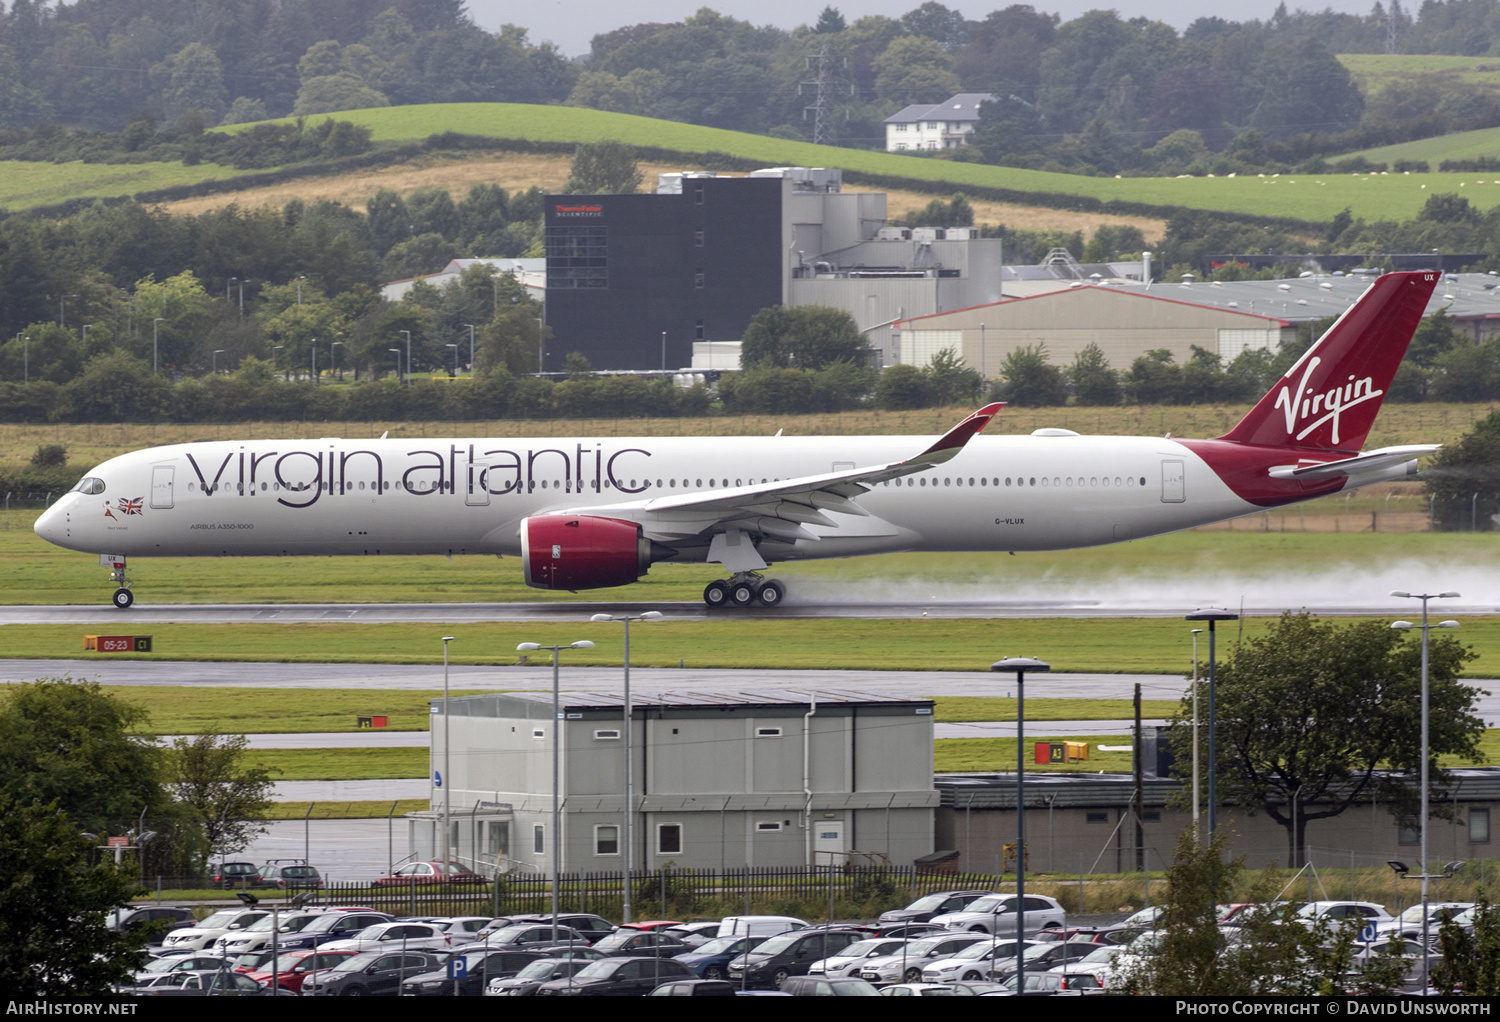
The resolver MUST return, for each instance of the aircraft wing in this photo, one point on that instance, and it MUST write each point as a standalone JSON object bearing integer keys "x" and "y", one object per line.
{"x": 784, "y": 508}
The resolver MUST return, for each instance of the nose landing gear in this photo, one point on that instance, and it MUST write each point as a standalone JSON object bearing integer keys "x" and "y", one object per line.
{"x": 123, "y": 597}
{"x": 743, "y": 590}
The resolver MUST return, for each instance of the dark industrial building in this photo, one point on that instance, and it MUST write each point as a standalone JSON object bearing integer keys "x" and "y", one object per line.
{"x": 634, "y": 280}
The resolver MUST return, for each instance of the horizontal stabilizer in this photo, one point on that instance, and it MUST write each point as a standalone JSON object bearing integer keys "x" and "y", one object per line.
{"x": 1385, "y": 457}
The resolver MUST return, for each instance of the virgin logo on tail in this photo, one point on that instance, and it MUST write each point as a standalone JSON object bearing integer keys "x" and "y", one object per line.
{"x": 1305, "y": 404}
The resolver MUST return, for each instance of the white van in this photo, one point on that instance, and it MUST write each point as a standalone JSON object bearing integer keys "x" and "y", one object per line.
{"x": 758, "y": 926}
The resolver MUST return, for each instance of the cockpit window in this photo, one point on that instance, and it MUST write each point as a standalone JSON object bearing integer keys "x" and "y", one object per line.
{"x": 90, "y": 485}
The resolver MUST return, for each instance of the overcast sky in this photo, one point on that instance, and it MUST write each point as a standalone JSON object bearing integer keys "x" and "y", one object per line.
{"x": 572, "y": 23}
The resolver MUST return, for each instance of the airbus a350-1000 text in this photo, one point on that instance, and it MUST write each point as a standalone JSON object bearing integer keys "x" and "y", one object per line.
{"x": 591, "y": 513}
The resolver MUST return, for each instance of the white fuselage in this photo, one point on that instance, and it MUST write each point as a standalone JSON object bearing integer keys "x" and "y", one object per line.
{"x": 468, "y": 496}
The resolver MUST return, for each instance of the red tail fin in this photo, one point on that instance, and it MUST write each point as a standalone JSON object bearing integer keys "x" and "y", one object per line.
{"x": 1328, "y": 400}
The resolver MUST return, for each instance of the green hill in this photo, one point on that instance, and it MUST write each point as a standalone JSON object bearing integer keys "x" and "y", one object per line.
{"x": 1293, "y": 197}
{"x": 1463, "y": 145}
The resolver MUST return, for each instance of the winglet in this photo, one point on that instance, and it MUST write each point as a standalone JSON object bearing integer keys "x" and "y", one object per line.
{"x": 951, "y": 442}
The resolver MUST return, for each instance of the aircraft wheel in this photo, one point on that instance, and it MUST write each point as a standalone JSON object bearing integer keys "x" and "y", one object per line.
{"x": 742, "y": 593}
{"x": 772, "y": 593}
{"x": 123, "y": 598}
{"x": 716, "y": 594}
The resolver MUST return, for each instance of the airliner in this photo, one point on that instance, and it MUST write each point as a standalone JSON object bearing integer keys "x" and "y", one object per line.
{"x": 592, "y": 513}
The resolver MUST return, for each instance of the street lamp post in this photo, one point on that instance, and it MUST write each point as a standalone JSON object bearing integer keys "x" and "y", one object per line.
{"x": 471, "y": 347}
{"x": 217, "y": 353}
{"x": 455, "y": 357}
{"x": 154, "y": 335}
{"x": 397, "y": 353}
{"x": 1019, "y": 665}
{"x": 447, "y": 777}
{"x": 62, "y": 310}
{"x": 1196, "y": 632}
{"x": 274, "y": 360}
{"x": 300, "y": 278}
{"x": 556, "y": 770}
{"x": 242, "y": 299}
{"x": 333, "y": 353}
{"x": 86, "y": 336}
{"x": 1212, "y": 616}
{"x": 408, "y": 354}
{"x": 26, "y": 360}
{"x": 1425, "y": 627}
{"x": 315, "y": 360}
{"x": 625, "y": 838}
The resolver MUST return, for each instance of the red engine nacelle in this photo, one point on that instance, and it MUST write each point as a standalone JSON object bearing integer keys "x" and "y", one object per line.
{"x": 582, "y": 552}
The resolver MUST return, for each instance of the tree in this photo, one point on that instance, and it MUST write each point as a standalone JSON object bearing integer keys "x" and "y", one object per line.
{"x": 915, "y": 69}
{"x": 1463, "y": 478}
{"x": 1029, "y": 379}
{"x": 73, "y": 744}
{"x": 227, "y": 797}
{"x": 1471, "y": 958}
{"x": 1314, "y": 718}
{"x": 1276, "y": 953}
{"x": 802, "y": 337}
{"x": 605, "y": 167}
{"x": 1094, "y": 382}
{"x": 830, "y": 21}
{"x": 53, "y": 942}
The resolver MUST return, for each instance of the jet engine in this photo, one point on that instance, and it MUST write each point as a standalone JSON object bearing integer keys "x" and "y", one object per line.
{"x": 584, "y": 552}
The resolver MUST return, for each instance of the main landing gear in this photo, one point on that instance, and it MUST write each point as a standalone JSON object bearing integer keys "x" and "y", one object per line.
{"x": 744, "y": 589}
{"x": 123, "y": 597}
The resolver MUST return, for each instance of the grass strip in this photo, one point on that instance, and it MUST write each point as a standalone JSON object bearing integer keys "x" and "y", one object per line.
{"x": 1098, "y": 645}
{"x": 342, "y": 764}
{"x": 183, "y": 710}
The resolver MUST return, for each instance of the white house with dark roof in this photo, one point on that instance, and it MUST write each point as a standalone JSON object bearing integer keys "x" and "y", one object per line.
{"x": 935, "y": 126}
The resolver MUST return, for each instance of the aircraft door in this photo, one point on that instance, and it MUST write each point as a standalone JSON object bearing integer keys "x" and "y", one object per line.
{"x": 161, "y": 485}
{"x": 476, "y": 489}
{"x": 1173, "y": 482}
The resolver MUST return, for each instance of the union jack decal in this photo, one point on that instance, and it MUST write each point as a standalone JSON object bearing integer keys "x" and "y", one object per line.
{"x": 131, "y": 507}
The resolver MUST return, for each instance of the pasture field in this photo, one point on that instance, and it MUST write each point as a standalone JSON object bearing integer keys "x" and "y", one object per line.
{"x": 26, "y": 183}
{"x": 1461, "y": 145}
{"x": 1376, "y": 72}
{"x": 1314, "y": 198}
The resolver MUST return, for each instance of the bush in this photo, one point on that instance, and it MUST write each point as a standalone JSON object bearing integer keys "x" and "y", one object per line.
{"x": 50, "y": 456}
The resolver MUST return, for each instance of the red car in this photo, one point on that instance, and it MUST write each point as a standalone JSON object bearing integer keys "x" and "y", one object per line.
{"x": 418, "y": 873}
{"x": 296, "y": 966}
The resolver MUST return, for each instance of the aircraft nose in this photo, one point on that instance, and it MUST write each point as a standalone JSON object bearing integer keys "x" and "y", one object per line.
{"x": 52, "y": 525}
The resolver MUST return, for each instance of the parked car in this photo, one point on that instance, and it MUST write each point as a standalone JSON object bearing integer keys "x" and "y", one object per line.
{"x": 258, "y": 934}
{"x": 617, "y": 977}
{"x": 906, "y": 962}
{"x": 694, "y": 934}
{"x": 196, "y": 938}
{"x": 400, "y": 936}
{"x": 197, "y": 961}
{"x": 204, "y": 984}
{"x": 923, "y": 909}
{"x": 239, "y": 875}
{"x": 629, "y": 943}
{"x": 1362, "y": 913}
{"x": 1409, "y": 923}
{"x": 152, "y": 923}
{"x": 423, "y": 873}
{"x": 373, "y": 972}
{"x": 526, "y": 982}
{"x": 711, "y": 960}
{"x": 333, "y": 924}
{"x": 758, "y": 926}
{"x": 972, "y": 963}
{"x": 785, "y": 955}
{"x": 695, "y": 988}
{"x": 591, "y": 926}
{"x": 1044, "y": 957}
{"x": 535, "y": 935}
{"x": 996, "y": 913}
{"x": 291, "y": 875}
{"x": 296, "y": 966}
{"x": 827, "y": 986}
{"x": 850, "y": 960}
{"x": 480, "y": 966}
